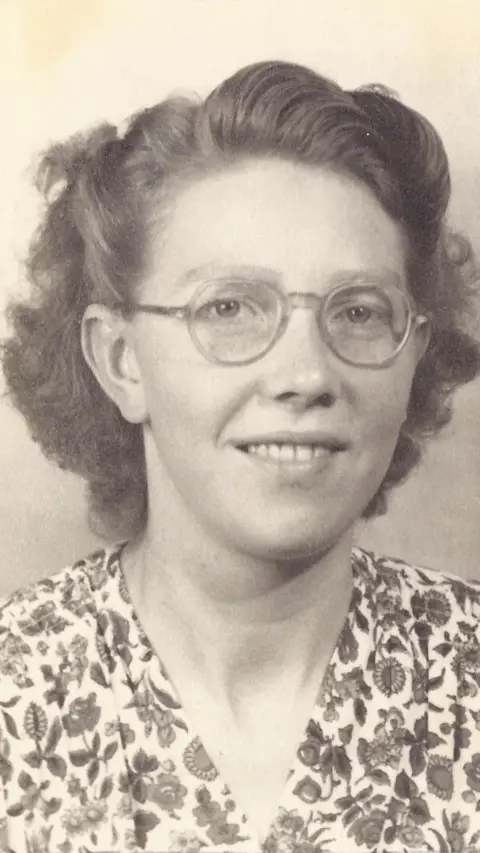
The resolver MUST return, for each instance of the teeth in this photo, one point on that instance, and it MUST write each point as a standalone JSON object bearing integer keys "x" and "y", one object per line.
{"x": 287, "y": 452}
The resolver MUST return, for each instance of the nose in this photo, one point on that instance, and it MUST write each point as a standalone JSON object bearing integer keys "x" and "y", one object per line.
{"x": 301, "y": 369}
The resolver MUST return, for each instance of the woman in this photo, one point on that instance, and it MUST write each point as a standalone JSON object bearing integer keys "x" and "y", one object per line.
{"x": 273, "y": 317}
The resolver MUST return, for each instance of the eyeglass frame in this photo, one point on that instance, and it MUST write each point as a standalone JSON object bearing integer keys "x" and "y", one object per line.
{"x": 287, "y": 303}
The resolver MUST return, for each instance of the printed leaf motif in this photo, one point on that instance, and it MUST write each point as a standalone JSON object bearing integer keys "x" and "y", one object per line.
{"x": 351, "y": 814}
{"x": 80, "y": 757}
{"x": 165, "y": 698}
{"x": 15, "y": 810}
{"x": 35, "y": 721}
{"x": 379, "y": 776}
{"x": 97, "y": 674}
{"x": 360, "y": 711}
{"x": 106, "y": 788}
{"x": 25, "y": 780}
{"x": 361, "y": 621}
{"x": 10, "y": 703}
{"x": 54, "y": 736}
{"x": 466, "y": 628}
{"x": 443, "y": 649}
{"x": 443, "y": 846}
{"x": 93, "y": 771}
{"x": 390, "y": 834}
{"x": 419, "y": 811}
{"x": 143, "y": 763}
{"x": 110, "y": 751}
{"x": 140, "y": 790}
{"x": 345, "y": 734}
{"x": 417, "y": 759}
{"x": 145, "y": 821}
{"x": 33, "y": 759}
{"x": 395, "y": 645}
{"x": 10, "y": 725}
{"x": 341, "y": 762}
{"x": 405, "y": 788}
{"x": 344, "y": 802}
{"x": 57, "y": 766}
{"x": 180, "y": 724}
{"x": 437, "y": 681}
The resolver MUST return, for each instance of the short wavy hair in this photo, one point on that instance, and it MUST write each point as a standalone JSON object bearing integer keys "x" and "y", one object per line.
{"x": 101, "y": 192}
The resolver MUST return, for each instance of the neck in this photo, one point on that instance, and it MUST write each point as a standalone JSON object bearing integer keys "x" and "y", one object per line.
{"x": 243, "y": 624}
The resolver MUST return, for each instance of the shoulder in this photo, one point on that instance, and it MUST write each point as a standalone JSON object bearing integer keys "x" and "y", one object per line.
{"x": 438, "y": 597}
{"x": 46, "y": 604}
{"x": 50, "y": 614}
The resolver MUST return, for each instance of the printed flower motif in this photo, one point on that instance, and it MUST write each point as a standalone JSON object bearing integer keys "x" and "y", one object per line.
{"x": 440, "y": 777}
{"x": 368, "y": 829}
{"x": 207, "y": 811}
{"x": 43, "y": 619}
{"x": 309, "y": 752}
{"x": 308, "y": 790}
{"x": 467, "y": 658}
{"x": 349, "y": 686}
{"x": 380, "y": 751}
{"x": 197, "y": 761}
{"x": 12, "y": 652}
{"x": 164, "y": 723}
{"x": 167, "y": 792}
{"x": 95, "y": 812}
{"x": 185, "y": 842}
{"x": 83, "y": 716}
{"x": 472, "y": 770}
{"x": 279, "y": 842}
{"x": 433, "y": 605}
{"x": 389, "y": 676}
{"x": 224, "y": 833}
{"x": 412, "y": 836}
{"x": 392, "y": 724}
{"x": 74, "y": 821}
{"x": 289, "y": 821}
{"x": 6, "y": 767}
{"x": 39, "y": 842}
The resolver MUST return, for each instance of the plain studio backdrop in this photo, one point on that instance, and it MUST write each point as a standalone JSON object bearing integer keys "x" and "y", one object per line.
{"x": 69, "y": 65}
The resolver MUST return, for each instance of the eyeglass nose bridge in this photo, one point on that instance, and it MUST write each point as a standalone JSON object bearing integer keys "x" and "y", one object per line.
{"x": 298, "y": 299}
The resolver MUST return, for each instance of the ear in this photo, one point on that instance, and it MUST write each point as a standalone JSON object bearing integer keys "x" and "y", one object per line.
{"x": 108, "y": 349}
{"x": 422, "y": 332}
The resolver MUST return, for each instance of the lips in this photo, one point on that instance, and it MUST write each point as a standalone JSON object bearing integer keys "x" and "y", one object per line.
{"x": 292, "y": 449}
{"x": 293, "y": 440}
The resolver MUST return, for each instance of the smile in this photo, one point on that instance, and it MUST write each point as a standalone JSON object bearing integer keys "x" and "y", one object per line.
{"x": 289, "y": 453}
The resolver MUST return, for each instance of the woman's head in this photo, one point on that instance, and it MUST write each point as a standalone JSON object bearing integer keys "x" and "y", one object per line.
{"x": 111, "y": 202}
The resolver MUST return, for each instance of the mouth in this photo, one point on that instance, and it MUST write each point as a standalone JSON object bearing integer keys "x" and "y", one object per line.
{"x": 286, "y": 452}
{"x": 290, "y": 453}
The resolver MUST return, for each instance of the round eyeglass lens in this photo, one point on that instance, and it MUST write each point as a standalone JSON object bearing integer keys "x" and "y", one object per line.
{"x": 366, "y": 324}
{"x": 234, "y": 322}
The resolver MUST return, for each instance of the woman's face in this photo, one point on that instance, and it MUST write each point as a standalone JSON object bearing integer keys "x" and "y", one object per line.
{"x": 302, "y": 229}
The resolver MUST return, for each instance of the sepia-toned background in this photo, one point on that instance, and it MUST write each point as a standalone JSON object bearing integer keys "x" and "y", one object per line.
{"x": 66, "y": 65}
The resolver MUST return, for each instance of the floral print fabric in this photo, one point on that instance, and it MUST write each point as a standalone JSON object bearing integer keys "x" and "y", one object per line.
{"x": 97, "y": 753}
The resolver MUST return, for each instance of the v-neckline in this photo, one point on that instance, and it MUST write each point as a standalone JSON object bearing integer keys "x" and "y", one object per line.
{"x": 157, "y": 670}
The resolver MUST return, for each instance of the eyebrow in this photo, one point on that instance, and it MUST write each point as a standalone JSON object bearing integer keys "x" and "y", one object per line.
{"x": 219, "y": 272}
{"x": 223, "y": 271}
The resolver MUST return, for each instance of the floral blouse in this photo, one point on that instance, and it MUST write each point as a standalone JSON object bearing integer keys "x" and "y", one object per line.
{"x": 97, "y": 753}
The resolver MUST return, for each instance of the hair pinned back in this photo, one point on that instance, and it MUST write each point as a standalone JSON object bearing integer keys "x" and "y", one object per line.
{"x": 107, "y": 195}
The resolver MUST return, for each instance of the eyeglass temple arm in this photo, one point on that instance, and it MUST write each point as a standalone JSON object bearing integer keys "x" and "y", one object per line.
{"x": 163, "y": 310}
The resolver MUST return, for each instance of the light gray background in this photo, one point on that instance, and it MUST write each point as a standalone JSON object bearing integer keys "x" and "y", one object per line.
{"x": 67, "y": 65}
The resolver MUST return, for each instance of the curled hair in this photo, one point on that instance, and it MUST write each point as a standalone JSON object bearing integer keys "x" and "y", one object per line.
{"x": 93, "y": 241}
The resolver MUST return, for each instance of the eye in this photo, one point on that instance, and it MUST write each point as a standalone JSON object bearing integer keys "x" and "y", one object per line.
{"x": 226, "y": 307}
{"x": 230, "y": 308}
{"x": 359, "y": 314}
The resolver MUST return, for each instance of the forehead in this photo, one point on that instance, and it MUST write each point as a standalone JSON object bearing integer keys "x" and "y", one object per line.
{"x": 302, "y": 224}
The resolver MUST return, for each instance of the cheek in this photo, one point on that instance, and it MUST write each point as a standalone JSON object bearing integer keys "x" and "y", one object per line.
{"x": 384, "y": 406}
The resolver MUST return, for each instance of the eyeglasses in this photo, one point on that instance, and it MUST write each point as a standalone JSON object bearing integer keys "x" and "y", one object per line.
{"x": 236, "y": 322}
